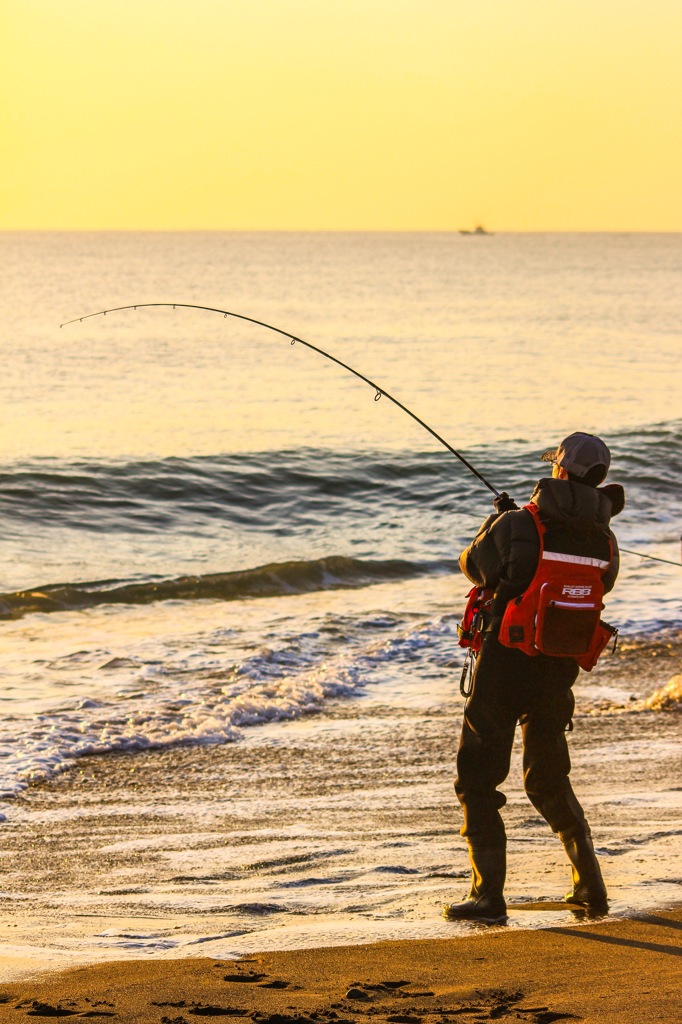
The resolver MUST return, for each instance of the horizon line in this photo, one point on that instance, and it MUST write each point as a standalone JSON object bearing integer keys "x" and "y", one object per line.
{"x": 345, "y": 231}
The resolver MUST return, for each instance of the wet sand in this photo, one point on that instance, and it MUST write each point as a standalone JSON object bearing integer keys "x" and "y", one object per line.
{"x": 620, "y": 970}
{"x": 334, "y": 830}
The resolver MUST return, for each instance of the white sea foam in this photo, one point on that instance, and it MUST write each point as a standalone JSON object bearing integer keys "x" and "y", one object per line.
{"x": 188, "y": 690}
{"x": 292, "y": 679}
{"x": 618, "y": 701}
{"x": 668, "y": 698}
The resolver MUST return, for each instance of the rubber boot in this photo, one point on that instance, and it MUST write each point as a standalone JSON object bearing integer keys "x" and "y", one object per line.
{"x": 588, "y": 890}
{"x": 485, "y": 901}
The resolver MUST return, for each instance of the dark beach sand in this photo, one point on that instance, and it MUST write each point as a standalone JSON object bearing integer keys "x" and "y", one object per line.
{"x": 625, "y": 970}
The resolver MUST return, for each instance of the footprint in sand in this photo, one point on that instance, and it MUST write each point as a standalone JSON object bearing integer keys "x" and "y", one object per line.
{"x": 498, "y": 1004}
{"x": 39, "y": 1009}
{"x": 365, "y": 991}
{"x": 357, "y": 993}
{"x": 251, "y": 977}
{"x": 298, "y": 1018}
{"x": 217, "y": 1011}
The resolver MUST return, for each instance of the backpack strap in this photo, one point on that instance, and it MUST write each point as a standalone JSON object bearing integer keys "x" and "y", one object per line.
{"x": 542, "y": 529}
{"x": 539, "y": 525}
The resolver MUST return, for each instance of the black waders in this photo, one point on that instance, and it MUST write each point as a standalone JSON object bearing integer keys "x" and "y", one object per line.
{"x": 485, "y": 902}
{"x": 588, "y": 890}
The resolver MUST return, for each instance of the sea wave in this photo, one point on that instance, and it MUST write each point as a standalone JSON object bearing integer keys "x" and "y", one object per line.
{"x": 195, "y": 528}
{"x": 273, "y": 580}
{"x": 216, "y": 703}
{"x": 667, "y": 698}
{"x": 281, "y": 491}
{"x": 201, "y": 698}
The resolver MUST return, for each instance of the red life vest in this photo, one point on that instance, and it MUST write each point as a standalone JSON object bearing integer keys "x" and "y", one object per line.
{"x": 470, "y": 629}
{"x": 559, "y": 613}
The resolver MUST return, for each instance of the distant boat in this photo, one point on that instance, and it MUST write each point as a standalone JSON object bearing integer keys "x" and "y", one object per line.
{"x": 478, "y": 230}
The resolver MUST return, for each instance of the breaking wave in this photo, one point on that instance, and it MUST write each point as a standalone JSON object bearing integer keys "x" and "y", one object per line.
{"x": 667, "y": 698}
{"x": 282, "y": 491}
{"x": 215, "y": 702}
{"x": 274, "y": 580}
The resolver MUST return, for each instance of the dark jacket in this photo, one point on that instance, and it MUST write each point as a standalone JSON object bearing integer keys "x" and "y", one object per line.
{"x": 504, "y": 554}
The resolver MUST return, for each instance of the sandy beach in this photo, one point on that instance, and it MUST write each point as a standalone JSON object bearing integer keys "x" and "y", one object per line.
{"x": 620, "y": 970}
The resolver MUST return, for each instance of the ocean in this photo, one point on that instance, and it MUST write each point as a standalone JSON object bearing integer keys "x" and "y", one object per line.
{"x": 229, "y": 587}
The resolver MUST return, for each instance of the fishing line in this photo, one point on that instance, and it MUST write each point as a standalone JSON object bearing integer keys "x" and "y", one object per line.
{"x": 654, "y": 558}
{"x": 622, "y": 551}
{"x": 379, "y": 391}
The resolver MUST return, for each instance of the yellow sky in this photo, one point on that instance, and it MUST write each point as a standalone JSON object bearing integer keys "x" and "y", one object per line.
{"x": 341, "y": 114}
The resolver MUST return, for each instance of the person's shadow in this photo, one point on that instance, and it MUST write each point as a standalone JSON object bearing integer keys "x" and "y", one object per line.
{"x": 614, "y": 940}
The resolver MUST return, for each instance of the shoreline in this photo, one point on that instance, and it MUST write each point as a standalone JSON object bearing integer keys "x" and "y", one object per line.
{"x": 335, "y": 829}
{"x": 625, "y": 969}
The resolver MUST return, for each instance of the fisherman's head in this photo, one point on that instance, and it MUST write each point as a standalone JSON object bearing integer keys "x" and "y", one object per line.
{"x": 582, "y": 458}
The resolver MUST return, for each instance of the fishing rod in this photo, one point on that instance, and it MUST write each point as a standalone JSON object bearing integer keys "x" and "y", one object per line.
{"x": 379, "y": 391}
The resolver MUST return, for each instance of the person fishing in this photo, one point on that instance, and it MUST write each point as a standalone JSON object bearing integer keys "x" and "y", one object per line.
{"x": 539, "y": 574}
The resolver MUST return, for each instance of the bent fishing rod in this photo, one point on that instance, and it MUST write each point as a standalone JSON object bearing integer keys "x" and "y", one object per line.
{"x": 379, "y": 391}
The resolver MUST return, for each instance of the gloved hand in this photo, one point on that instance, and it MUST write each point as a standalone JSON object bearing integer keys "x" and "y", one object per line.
{"x": 503, "y": 503}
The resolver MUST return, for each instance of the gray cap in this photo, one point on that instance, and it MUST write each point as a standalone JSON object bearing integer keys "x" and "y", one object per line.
{"x": 578, "y": 453}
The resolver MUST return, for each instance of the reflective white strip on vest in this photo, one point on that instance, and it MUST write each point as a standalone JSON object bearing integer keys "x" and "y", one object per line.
{"x": 555, "y": 556}
{"x": 574, "y": 605}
